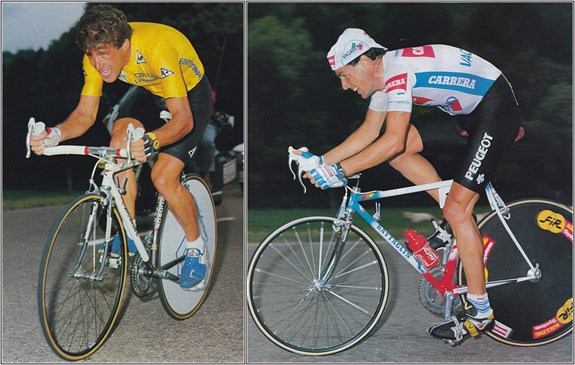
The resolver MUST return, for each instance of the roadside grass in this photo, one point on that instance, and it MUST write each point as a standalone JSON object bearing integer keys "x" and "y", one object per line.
{"x": 262, "y": 222}
{"x": 20, "y": 199}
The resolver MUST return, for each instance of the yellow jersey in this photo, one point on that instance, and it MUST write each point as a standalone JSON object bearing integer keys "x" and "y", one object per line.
{"x": 163, "y": 61}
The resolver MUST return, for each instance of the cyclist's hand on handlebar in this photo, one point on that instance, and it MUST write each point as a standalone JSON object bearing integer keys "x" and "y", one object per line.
{"x": 307, "y": 161}
{"x": 146, "y": 148}
{"x": 325, "y": 177}
{"x": 37, "y": 143}
{"x": 46, "y": 138}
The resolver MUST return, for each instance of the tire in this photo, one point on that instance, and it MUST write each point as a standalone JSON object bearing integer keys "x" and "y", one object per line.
{"x": 78, "y": 313}
{"x": 530, "y": 313}
{"x": 316, "y": 321}
{"x": 178, "y": 303}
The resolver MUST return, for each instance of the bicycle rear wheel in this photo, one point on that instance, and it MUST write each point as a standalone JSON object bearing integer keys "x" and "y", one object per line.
{"x": 297, "y": 314}
{"x": 179, "y": 303}
{"x": 80, "y": 290}
{"x": 530, "y": 313}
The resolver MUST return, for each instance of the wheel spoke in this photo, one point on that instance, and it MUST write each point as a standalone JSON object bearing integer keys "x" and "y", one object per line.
{"x": 78, "y": 311}
{"x": 297, "y": 310}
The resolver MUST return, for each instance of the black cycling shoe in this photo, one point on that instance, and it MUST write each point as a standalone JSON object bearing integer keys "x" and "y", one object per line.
{"x": 463, "y": 324}
{"x": 441, "y": 236}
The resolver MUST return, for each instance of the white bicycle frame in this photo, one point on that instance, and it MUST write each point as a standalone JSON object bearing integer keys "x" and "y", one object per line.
{"x": 109, "y": 186}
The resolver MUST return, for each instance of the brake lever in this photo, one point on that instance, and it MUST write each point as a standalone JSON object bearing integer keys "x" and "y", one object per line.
{"x": 306, "y": 162}
{"x": 33, "y": 129}
{"x": 133, "y": 134}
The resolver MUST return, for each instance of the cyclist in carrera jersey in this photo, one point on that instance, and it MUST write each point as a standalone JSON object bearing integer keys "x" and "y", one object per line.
{"x": 173, "y": 106}
{"x": 478, "y": 112}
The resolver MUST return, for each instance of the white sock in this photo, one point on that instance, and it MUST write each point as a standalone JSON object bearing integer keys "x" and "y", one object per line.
{"x": 481, "y": 302}
{"x": 198, "y": 244}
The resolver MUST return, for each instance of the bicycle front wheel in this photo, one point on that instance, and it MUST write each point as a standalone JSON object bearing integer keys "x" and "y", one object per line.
{"x": 81, "y": 285}
{"x": 538, "y": 312}
{"x": 179, "y": 303}
{"x": 292, "y": 308}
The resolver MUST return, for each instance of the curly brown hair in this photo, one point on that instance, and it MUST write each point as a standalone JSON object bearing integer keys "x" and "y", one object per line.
{"x": 100, "y": 25}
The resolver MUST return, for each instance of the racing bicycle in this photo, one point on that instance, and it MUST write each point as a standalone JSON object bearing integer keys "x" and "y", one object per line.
{"x": 81, "y": 282}
{"x": 318, "y": 285}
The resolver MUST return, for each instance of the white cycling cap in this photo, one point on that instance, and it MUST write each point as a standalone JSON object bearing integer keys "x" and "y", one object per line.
{"x": 351, "y": 43}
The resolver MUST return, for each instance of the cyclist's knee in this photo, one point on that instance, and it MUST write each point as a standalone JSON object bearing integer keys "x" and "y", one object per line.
{"x": 459, "y": 205}
{"x": 119, "y": 131}
{"x": 454, "y": 212}
{"x": 166, "y": 176}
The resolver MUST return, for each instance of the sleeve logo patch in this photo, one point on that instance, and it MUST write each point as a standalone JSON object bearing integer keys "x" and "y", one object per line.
{"x": 398, "y": 82}
{"x": 164, "y": 72}
{"x": 139, "y": 57}
{"x": 424, "y": 51}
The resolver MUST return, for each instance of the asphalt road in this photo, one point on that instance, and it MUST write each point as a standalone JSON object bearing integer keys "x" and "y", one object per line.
{"x": 145, "y": 332}
{"x": 401, "y": 334}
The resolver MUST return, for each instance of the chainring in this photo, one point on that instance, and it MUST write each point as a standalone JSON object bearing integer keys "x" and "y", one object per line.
{"x": 430, "y": 297}
{"x": 141, "y": 283}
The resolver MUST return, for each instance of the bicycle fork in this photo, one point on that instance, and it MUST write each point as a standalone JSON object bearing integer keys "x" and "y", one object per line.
{"x": 90, "y": 242}
{"x": 343, "y": 224}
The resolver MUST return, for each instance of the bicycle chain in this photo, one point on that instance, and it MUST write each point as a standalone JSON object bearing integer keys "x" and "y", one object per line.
{"x": 430, "y": 297}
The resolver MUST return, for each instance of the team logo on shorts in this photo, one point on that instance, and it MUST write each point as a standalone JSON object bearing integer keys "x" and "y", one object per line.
{"x": 191, "y": 152}
{"x": 480, "y": 154}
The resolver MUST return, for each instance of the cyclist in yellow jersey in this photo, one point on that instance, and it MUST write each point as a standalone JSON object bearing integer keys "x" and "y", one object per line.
{"x": 173, "y": 106}
{"x": 160, "y": 58}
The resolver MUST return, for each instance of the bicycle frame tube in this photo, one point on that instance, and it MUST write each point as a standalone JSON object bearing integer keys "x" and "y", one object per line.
{"x": 446, "y": 284}
{"x": 109, "y": 183}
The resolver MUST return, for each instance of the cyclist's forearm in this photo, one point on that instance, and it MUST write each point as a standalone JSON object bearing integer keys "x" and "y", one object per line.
{"x": 375, "y": 154}
{"x": 360, "y": 139}
{"x": 81, "y": 119}
{"x": 75, "y": 125}
{"x": 354, "y": 144}
{"x": 180, "y": 125}
{"x": 391, "y": 143}
{"x": 177, "y": 128}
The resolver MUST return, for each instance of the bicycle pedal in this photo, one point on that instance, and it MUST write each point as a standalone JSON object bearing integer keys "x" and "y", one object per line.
{"x": 114, "y": 262}
{"x": 451, "y": 343}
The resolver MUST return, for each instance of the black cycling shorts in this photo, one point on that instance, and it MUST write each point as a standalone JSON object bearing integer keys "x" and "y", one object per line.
{"x": 146, "y": 108}
{"x": 491, "y": 128}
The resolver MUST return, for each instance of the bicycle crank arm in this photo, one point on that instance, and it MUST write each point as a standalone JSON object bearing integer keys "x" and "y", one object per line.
{"x": 164, "y": 274}
{"x": 172, "y": 263}
{"x": 160, "y": 274}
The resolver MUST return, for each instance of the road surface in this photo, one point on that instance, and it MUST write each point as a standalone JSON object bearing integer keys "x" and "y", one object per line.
{"x": 145, "y": 332}
{"x": 401, "y": 334}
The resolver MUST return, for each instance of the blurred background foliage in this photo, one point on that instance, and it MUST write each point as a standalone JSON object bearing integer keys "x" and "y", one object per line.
{"x": 295, "y": 99}
{"x": 46, "y": 84}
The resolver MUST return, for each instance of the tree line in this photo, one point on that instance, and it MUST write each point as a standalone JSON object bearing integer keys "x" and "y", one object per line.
{"x": 295, "y": 98}
{"x": 46, "y": 84}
